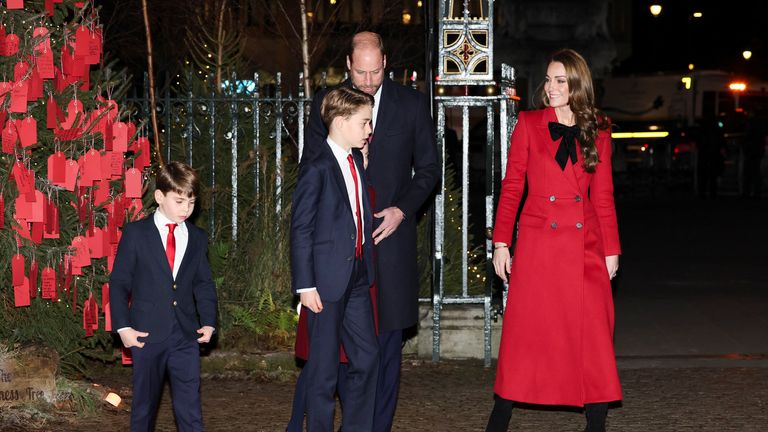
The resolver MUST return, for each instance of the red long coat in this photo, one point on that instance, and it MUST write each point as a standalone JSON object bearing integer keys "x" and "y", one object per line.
{"x": 557, "y": 335}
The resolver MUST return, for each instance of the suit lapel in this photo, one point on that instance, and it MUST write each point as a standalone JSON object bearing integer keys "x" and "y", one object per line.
{"x": 338, "y": 177}
{"x": 569, "y": 173}
{"x": 384, "y": 116}
{"x": 186, "y": 258}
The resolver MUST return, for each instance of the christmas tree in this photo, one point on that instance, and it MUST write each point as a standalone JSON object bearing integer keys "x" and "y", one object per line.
{"x": 76, "y": 164}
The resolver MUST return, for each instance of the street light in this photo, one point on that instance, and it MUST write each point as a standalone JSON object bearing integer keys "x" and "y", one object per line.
{"x": 655, "y": 9}
{"x": 747, "y": 54}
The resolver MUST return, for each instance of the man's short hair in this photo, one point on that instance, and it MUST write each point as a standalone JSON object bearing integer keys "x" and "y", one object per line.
{"x": 366, "y": 39}
{"x": 178, "y": 177}
{"x": 343, "y": 102}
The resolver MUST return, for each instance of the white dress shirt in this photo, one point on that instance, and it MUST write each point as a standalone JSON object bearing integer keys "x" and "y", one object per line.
{"x": 180, "y": 233}
{"x": 376, "y": 100}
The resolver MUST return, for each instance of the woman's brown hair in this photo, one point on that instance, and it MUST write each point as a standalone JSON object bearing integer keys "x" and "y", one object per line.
{"x": 582, "y": 103}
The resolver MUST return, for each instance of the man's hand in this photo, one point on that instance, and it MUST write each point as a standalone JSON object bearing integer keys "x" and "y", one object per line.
{"x": 130, "y": 337}
{"x": 392, "y": 219}
{"x": 311, "y": 301}
{"x": 206, "y": 332}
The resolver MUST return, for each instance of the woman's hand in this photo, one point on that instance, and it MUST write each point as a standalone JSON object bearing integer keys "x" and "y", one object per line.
{"x": 612, "y": 264}
{"x": 502, "y": 262}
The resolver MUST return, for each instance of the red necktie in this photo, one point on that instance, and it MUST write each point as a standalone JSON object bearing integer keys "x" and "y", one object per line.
{"x": 170, "y": 245}
{"x": 359, "y": 237}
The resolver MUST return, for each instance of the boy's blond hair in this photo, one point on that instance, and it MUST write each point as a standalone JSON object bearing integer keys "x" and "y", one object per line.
{"x": 343, "y": 102}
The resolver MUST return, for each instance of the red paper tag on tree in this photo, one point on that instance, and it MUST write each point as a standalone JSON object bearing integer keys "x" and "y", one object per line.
{"x": 52, "y": 229}
{"x": 91, "y": 168}
{"x": 33, "y": 270}
{"x": 12, "y": 43}
{"x": 27, "y": 130}
{"x": 70, "y": 174}
{"x": 48, "y": 284}
{"x": 82, "y": 41}
{"x": 119, "y": 137}
{"x": 17, "y": 269}
{"x": 74, "y": 114}
{"x": 133, "y": 183}
{"x": 57, "y": 167}
{"x": 144, "y": 148}
{"x": 15, "y": 4}
{"x": 106, "y": 308}
{"x": 54, "y": 114}
{"x": 2, "y": 212}
{"x": 10, "y": 137}
{"x": 82, "y": 255}
{"x": 19, "y": 97}
{"x": 21, "y": 294}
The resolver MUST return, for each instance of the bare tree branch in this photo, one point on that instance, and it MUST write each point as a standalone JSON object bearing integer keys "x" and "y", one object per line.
{"x": 152, "y": 99}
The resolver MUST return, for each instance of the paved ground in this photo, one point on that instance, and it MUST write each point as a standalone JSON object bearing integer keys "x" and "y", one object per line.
{"x": 691, "y": 336}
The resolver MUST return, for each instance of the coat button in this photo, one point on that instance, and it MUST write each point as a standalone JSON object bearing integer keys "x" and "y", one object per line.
{"x": 579, "y": 225}
{"x": 552, "y": 198}
{"x": 349, "y": 258}
{"x": 352, "y": 236}
{"x": 174, "y": 302}
{"x": 174, "y": 286}
{"x": 553, "y": 225}
{"x": 578, "y": 198}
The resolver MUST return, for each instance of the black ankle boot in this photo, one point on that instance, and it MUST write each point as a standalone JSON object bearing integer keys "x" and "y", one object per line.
{"x": 596, "y": 414}
{"x": 502, "y": 412}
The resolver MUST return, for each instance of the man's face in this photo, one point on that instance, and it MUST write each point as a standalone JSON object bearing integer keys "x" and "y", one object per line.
{"x": 366, "y": 68}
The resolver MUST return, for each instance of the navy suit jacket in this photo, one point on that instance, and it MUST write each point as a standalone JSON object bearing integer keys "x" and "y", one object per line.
{"x": 403, "y": 169}
{"x": 323, "y": 229}
{"x": 141, "y": 274}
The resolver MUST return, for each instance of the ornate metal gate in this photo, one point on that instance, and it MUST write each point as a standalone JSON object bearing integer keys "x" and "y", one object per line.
{"x": 465, "y": 63}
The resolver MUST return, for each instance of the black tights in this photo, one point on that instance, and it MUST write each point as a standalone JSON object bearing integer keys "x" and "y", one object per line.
{"x": 502, "y": 413}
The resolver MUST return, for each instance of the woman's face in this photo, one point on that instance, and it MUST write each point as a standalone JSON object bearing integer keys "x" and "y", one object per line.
{"x": 556, "y": 85}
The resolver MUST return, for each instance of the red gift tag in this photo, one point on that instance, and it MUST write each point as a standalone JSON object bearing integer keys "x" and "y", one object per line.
{"x": 36, "y": 232}
{"x": 20, "y": 70}
{"x": 82, "y": 41}
{"x": 48, "y": 283}
{"x": 35, "y": 86}
{"x": 82, "y": 255}
{"x": 33, "y": 270}
{"x": 37, "y": 208}
{"x": 144, "y": 150}
{"x": 15, "y": 4}
{"x": 12, "y": 43}
{"x": 96, "y": 244}
{"x": 19, "y": 97}
{"x": 74, "y": 114}
{"x": 52, "y": 228}
{"x": 17, "y": 269}
{"x": 101, "y": 192}
{"x": 27, "y": 130}
{"x": 49, "y": 7}
{"x": 106, "y": 165}
{"x": 116, "y": 166}
{"x": 90, "y": 171}
{"x": 57, "y": 166}
{"x": 5, "y": 87}
{"x": 44, "y": 40}
{"x": 87, "y": 324}
{"x": 23, "y": 208}
{"x": 25, "y": 179}
{"x": 120, "y": 137}
{"x": 21, "y": 294}
{"x": 106, "y": 308}
{"x": 10, "y": 137}
{"x": 131, "y": 132}
{"x": 95, "y": 45}
{"x": 73, "y": 294}
{"x": 119, "y": 213}
{"x": 133, "y": 183}
{"x": 94, "y": 310}
{"x": 54, "y": 114}
{"x": 2, "y": 212}
{"x": 71, "y": 169}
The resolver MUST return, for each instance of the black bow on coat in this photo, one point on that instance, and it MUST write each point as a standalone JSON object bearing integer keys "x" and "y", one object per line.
{"x": 567, "y": 148}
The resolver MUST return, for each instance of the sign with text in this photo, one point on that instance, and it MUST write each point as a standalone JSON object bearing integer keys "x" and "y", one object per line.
{"x": 27, "y": 375}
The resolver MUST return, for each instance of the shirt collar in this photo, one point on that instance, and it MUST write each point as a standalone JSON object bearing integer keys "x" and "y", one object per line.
{"x": 161, "y": 221}
{"x": 338, "y": 151}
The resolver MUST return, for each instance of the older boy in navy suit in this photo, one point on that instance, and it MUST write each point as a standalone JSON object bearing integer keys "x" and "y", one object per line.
{"x": 332, "y": 266}
{"x": 160, "y": 284}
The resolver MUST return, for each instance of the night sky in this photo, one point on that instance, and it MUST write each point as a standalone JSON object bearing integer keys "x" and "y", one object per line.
{"x": 674, "y": 39}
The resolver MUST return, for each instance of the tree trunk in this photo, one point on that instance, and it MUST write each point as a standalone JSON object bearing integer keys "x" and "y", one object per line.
{"x": 304, "y": 46}
{"x": 151, "y": 73}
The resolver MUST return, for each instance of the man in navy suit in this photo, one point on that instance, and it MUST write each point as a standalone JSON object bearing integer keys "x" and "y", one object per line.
{"x": 403, "y": 169}
{"x": 160, "y": 283}
{"x": 332, "y": 266}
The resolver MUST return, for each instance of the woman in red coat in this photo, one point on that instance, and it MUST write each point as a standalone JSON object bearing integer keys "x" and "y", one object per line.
{"x": 557, "y": 336}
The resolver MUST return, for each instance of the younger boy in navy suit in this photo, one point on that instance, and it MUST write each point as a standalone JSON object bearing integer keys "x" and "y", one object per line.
{"x": 332, "y": 266}
{"x": 160, "y": 284}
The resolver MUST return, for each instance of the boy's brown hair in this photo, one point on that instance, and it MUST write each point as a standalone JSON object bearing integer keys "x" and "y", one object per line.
{"x": 178, "y": 177}
{"x": 343, "y": 102}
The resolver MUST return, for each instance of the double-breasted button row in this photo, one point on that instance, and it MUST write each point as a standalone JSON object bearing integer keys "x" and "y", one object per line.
{"x": 173, "y": 286}
{"x": 552, "y": 198}
{"x": 174, "y": 303}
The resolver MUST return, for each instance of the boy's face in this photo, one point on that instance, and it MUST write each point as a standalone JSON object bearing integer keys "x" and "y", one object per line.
{"x": 175, "y": 207}
{"x": 356, "y": 128}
